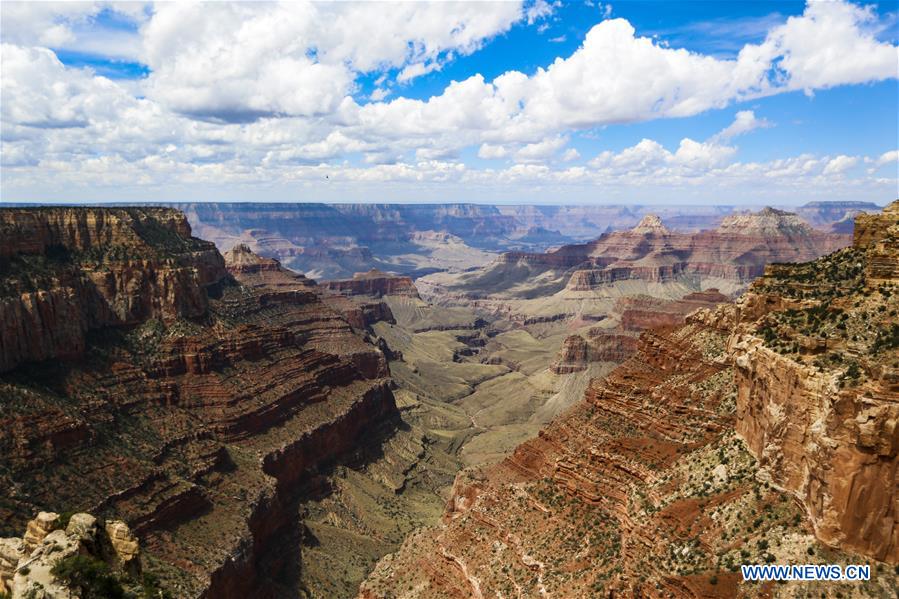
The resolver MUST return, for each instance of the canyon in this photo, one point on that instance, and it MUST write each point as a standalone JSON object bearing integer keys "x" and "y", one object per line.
{"x": 197, "y": 409}
{"x": 334, "y": 241}
{"x": 269, "y": 433}
{"x": 762, "y": 431}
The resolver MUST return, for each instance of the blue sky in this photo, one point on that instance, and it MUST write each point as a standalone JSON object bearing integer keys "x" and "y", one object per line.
{"x": 709, "y": 102}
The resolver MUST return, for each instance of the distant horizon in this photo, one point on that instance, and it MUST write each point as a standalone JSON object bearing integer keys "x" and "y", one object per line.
{"x": 674, "y": 205}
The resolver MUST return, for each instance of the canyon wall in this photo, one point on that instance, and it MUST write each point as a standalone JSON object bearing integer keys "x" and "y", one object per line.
{"x": 373, "y": 283}
{"x": 758, "y": 432}
{"x": 66, "y": 271}
{"x": 195, "y": 402}
{"x": 823, "y": 418}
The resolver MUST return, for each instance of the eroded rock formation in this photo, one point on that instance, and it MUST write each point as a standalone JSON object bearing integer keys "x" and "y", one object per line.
{"x": 736, "y": 251}
{"x": 55, "y": 557}
{"x": 373, "y": 283}
{"x": 66, "y": 271}
{"x": 195, "y": 408}
{"x": 720, "y": 442}
{"x": 817, "y": 356}
{"x": 598, "y": 346}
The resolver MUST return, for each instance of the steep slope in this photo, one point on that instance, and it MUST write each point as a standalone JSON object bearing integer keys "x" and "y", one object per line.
{"x": 67, "y": 271}
{"x": 817, "y": 347}
{"x": 199, "y": 410}
{"x": 720, "y": 442}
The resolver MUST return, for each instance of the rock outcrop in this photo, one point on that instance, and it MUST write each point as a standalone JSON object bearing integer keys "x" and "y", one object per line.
{"x": 256, "y": 271}
{"x": 197, "y": 409}
{"x": 822, "y": 414}
{"x": 737, "y": 251}
{"x": 601, "y": 346}
{"x": 45, "y": 562}
{"x": 642, "y": 312}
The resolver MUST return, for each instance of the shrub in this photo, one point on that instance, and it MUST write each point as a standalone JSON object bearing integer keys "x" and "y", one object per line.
{"x": 90, "y": 576}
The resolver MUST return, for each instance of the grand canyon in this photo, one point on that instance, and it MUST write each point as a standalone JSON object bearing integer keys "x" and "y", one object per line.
{"x": 636, "y": 414}
{"x": 449, "y": 300}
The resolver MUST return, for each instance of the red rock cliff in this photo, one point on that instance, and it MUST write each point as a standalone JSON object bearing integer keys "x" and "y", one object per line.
{"x": 66, "y": 271}
{"x": 199, "y": 423}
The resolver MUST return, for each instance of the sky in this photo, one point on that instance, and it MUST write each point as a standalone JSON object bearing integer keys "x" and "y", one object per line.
{"x": 694, "y": 102}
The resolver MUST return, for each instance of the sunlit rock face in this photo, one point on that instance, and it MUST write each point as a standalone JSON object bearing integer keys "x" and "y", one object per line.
{"x": 760, "y": 431}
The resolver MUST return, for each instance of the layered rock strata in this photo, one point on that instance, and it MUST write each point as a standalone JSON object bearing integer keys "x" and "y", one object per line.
{"x": 758, "y": 432}
{"x": 199, "y": 423}
{"x": 373, "y": 283}
{"x": 817, "y": 354}
{"x": 737, "y": 250}
{"x": 66, "y": 271}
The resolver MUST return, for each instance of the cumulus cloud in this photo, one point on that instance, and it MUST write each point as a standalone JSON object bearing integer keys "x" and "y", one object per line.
{"x": 617, "y": 76}
{"x": 40, "y": 92}
{"x": 246, "y": 90}
{"x": 744, "y": 122}
{"x": 890, "y": 157}
{"x": 537, "y": 152}
{"x": 649, "y": 157}
{"x": 244, "y": 61}
{"x": 489, "y": 151}
{"x": 840, "y": 164}
{"x": 74, "y": 26}
{"x": 832, "y": 43}
{"x": 570, "y": 154}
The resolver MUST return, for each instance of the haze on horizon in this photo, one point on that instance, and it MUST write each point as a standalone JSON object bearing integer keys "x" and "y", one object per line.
{"x": 502, "y": 102}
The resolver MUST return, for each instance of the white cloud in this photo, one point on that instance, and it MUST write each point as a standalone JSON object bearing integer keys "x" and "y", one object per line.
{"x": 744, "y": 122}
{"x": 539, "y": 9}
{"x": 618, "y": 77}
{"x": 417, "y": 70}
{"x": 692, "y": 158}
{"x": 540, "y": 151}
{"x": 840, "y": 164}
{"x": 570, "y": 154}
{"x": 40, "y": 92}
{"x": 832, "y": 43}
{"x": 890, "y": 157}
{"x": 252, "y": 90}
{"x": 379, "y": 94}
{"x": 73, "y": 26}
{"x": 243, "y": 61}
{"x": 489, "y": 151}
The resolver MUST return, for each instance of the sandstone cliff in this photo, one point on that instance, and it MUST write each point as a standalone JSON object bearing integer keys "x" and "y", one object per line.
{"x": 817, "y": 355}
{"x": 200, "y": 411}
{"x": 603, "y": 346}
{"x": 66, "y": 271}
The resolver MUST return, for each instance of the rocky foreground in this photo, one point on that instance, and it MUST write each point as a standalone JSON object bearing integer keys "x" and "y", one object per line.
{"x": 764, "y": 431}
{"x": 74, "y": 555}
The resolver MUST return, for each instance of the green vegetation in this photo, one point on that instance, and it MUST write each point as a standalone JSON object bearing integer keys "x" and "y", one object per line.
{"x": 90, "y": 576}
